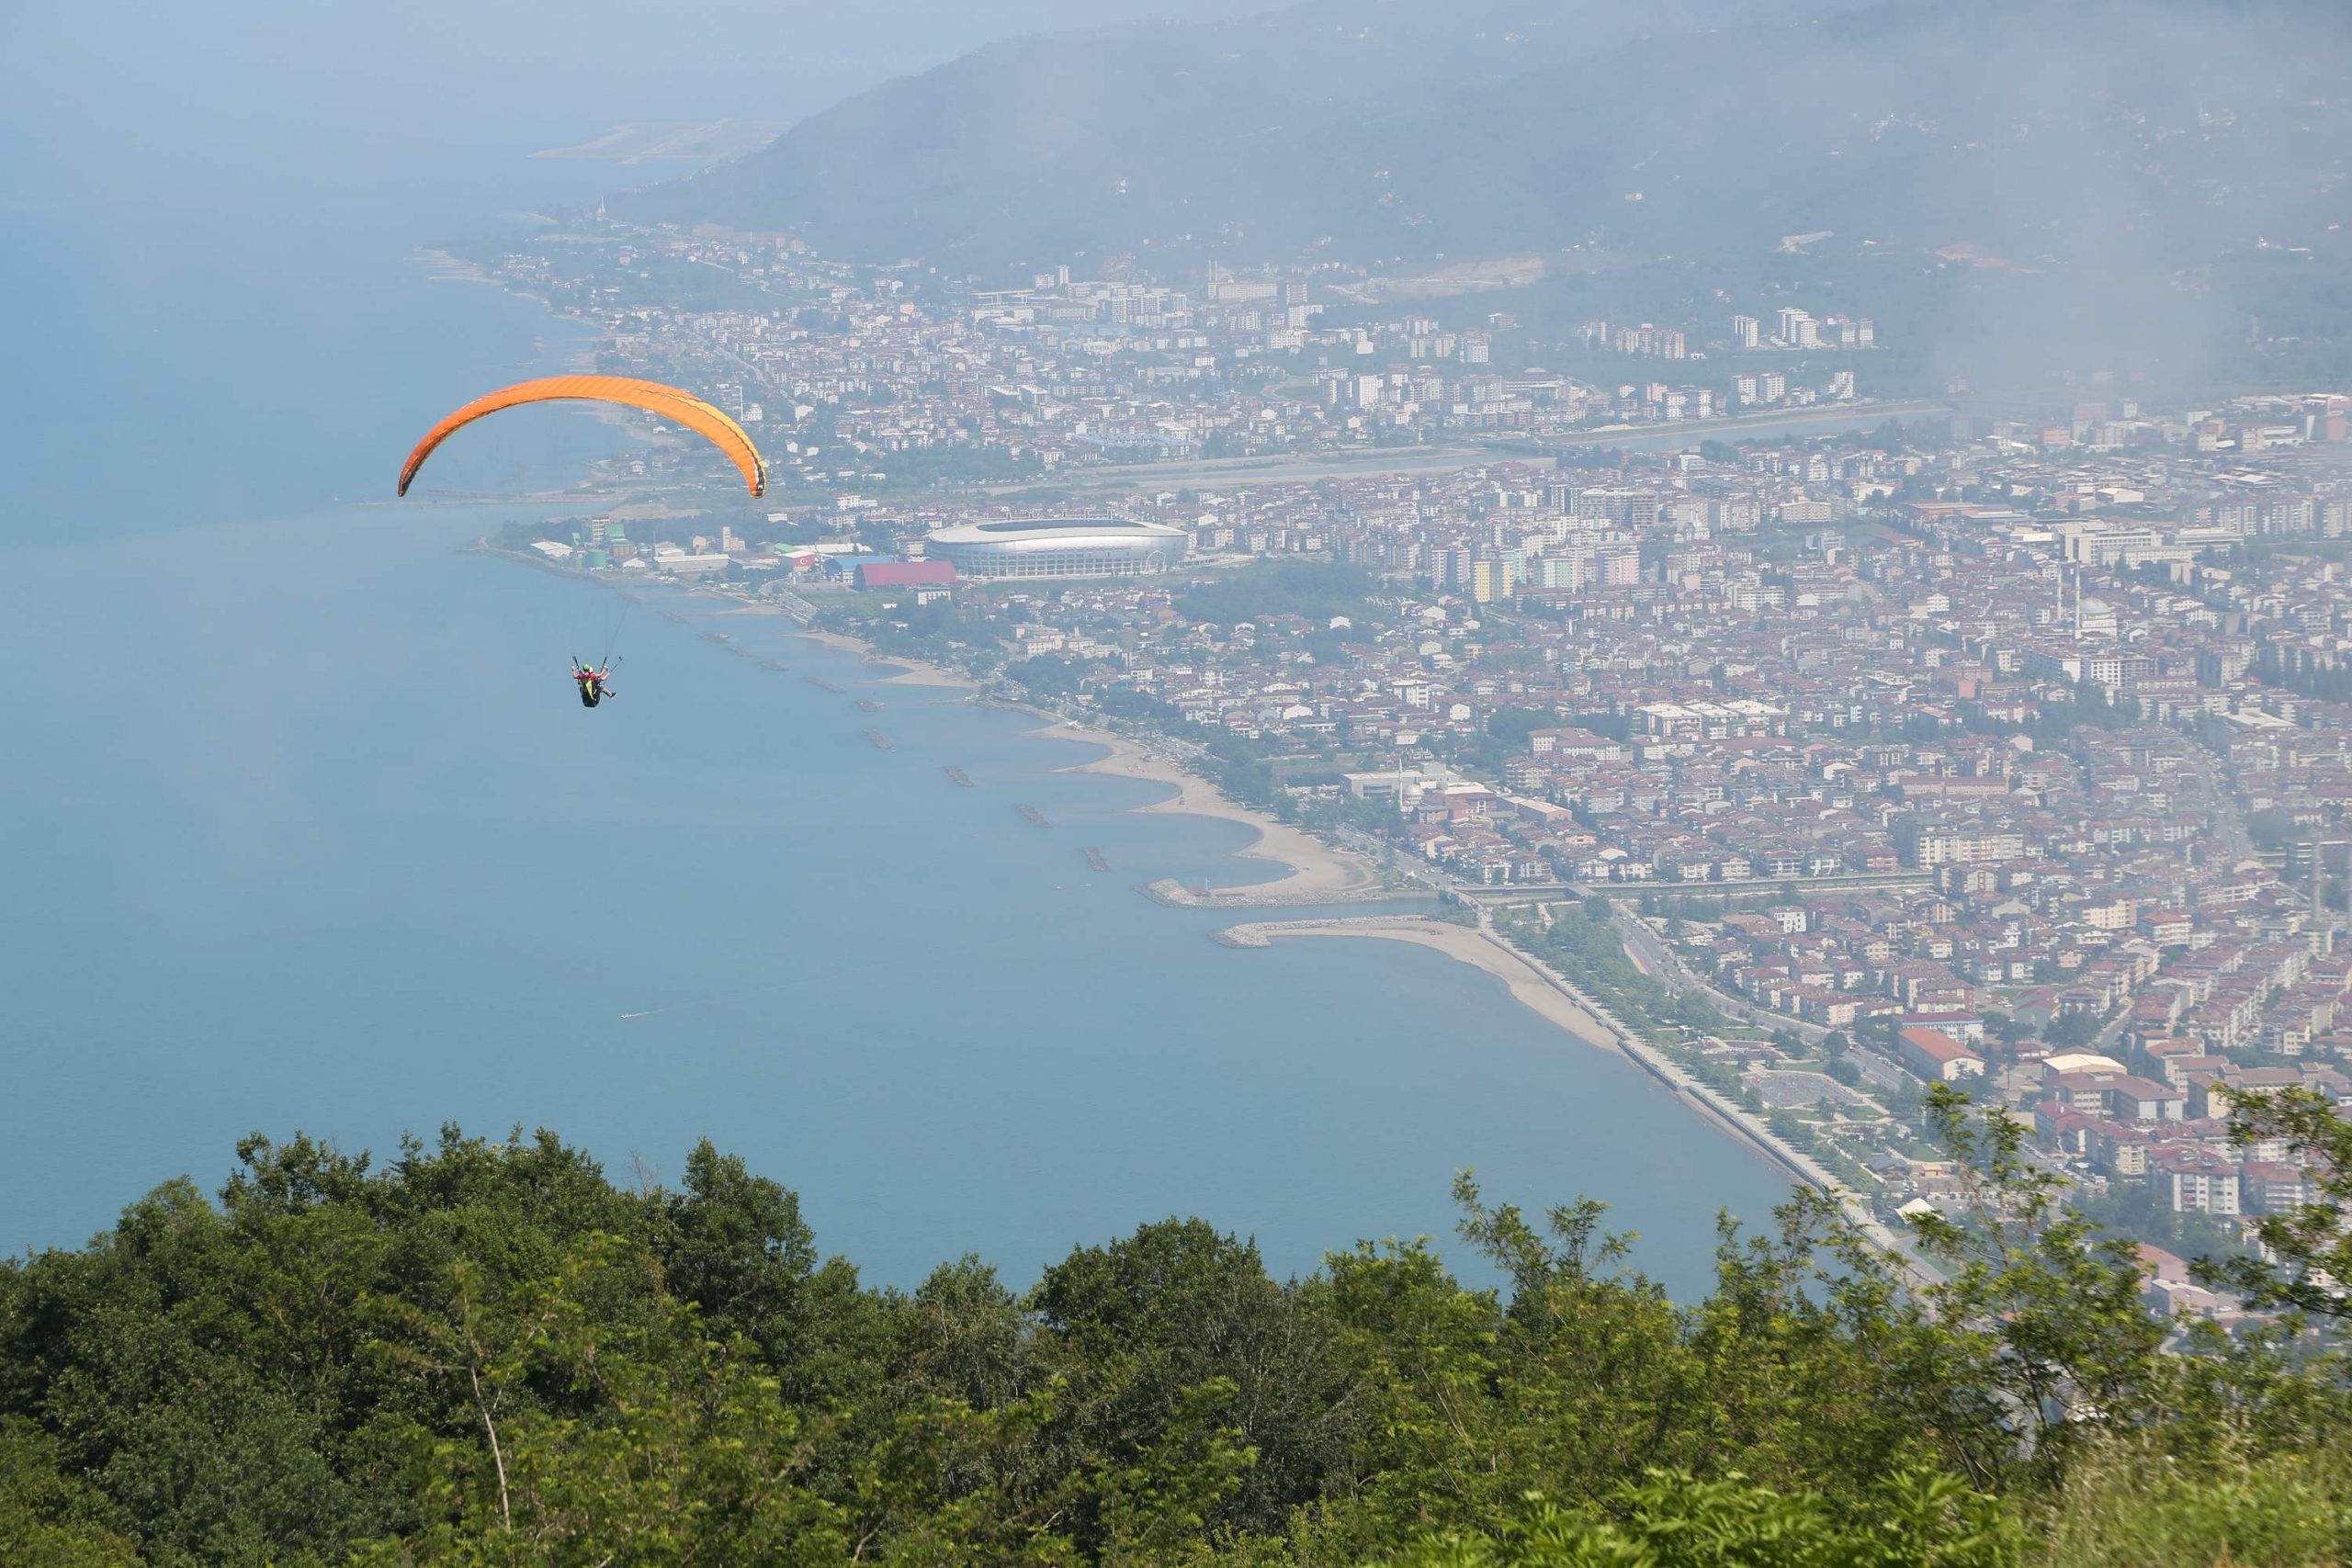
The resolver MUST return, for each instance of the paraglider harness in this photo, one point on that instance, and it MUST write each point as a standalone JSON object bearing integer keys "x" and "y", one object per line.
{"x": 593, "y": 689}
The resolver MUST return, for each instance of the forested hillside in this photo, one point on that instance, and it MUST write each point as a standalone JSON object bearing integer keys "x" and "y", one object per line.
{"x": 487, "y": 1353}
{"x": 2129, "y": 137}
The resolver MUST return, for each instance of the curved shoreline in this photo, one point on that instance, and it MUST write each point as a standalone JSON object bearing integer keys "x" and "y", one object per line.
{"x": 1322, "y": 875}
{"x": 1316, "y": 872}
{"x": 1520, "y": 977}
{"x": 1557, "y": 1000}
{"x": 1533, "y": 985}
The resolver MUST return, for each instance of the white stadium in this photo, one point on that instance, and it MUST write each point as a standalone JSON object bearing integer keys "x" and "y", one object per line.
{"x": 1059, "y": 546}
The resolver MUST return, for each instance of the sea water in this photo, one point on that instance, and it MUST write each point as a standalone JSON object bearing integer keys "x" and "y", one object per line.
{"x": 305, "y": 828}
{"x": 302, "y": 828}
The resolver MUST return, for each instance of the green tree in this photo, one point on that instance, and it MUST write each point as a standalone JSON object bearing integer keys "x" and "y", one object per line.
{"x": 652, "y": 1443}
{"x": 735, "y": 1247}
{"x": 2035, "y": 1296}
{"x": 484, "y": 1353}
{"x": 1672, "y": 1520}
{"x": 2308, "y": 1246}
{"x": 1139, "y": 1326}
{"x": 48, "y": 1519}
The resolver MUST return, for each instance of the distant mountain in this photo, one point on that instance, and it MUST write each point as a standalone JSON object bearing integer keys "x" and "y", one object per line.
{"x": 1230, "y": 132}
{"x": 2036, "y": 131}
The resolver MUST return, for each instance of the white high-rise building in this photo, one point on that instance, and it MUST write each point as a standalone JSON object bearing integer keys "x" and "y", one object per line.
{"x": 1747, "y": 332}
{"x": 1796, "y": 328}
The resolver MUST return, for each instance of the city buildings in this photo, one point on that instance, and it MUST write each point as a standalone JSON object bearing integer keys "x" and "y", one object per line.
{"x": 2014, "y": 755}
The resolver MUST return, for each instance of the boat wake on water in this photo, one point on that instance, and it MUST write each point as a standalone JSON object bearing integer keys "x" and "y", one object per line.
{"x": 674, "y": 1007}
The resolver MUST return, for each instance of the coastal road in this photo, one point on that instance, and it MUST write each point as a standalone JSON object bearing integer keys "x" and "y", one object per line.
{"x": 1656, "y": 958}
{"x": 1380, "y": 852}
{"x": 1881, "y": 1073}
{"x": 1895, "y": 1246}
{"x": 1661, "y": 962}
{"x": 1274, "y": 470}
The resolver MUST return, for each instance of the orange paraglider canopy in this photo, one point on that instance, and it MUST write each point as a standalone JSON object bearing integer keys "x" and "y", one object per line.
{"x": 670, "y": 402}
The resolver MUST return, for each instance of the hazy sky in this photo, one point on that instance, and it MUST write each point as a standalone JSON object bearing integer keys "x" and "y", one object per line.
{"x": 471, "y": 66}
{"x": 206, "y": 207}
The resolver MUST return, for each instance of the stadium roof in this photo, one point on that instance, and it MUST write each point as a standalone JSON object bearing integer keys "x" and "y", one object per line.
{"x": 1012, "y": 529}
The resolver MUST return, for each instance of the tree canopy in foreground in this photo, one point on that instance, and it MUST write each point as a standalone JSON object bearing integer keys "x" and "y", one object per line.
{"x": 485, "y": 1353}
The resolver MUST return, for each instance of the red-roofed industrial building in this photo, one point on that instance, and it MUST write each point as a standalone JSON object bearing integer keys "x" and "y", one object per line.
{"x": 1932, "y": 1054}
{"x": 905, "y": 574}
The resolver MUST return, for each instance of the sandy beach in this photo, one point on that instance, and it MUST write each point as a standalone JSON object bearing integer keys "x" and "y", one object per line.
{"x": 1531, "y": 985}
{"x": 1318, "y": 873}
{"x": 910, "y": 673}
{"x": 904, "y": 672}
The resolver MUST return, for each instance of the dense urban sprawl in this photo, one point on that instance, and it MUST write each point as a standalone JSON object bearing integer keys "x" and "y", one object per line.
{"x": 2009, "y": 752}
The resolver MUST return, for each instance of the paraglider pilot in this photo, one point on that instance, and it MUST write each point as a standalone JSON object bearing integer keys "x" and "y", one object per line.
{"x": 593, "y": 689}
